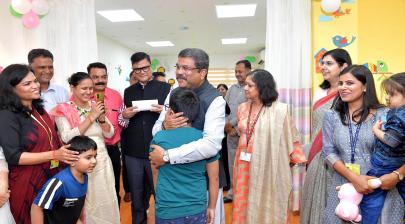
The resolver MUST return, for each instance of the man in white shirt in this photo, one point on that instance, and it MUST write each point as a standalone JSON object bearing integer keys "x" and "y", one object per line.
{"x": 41, "y": 62}
{"x": 191, "y": 73}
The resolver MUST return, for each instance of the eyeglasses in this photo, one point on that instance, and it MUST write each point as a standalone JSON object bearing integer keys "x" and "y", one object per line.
{"x": 143, "y": 69}
{"x": 166, "y": 107}
{"x": 184, "y": 68}
{"x": 327, "y": 63}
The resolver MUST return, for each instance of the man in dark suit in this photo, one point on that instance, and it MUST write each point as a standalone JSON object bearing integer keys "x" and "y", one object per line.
{"x": 138, "y": 134}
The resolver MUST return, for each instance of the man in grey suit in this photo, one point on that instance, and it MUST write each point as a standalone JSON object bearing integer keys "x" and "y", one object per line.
{"x": 234, "y": 97}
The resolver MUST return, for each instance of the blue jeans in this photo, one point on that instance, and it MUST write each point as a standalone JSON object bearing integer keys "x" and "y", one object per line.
{"x": 191, "y": 219}
{"x": 372, "y": 204}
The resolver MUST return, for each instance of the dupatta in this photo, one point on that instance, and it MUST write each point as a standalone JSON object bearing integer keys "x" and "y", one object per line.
{"x": 322, "y": 104}
{"x": 270, "y": 184}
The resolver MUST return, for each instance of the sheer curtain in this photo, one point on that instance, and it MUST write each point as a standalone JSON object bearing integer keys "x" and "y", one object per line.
{"x": 68, "y": 31}
{"x": 288, "y": 58}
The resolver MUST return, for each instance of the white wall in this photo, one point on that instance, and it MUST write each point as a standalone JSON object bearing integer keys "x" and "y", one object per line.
{"x": 68, "y": 31}
{"x": 114, "y": 55}
{"x": 223, "y": 61}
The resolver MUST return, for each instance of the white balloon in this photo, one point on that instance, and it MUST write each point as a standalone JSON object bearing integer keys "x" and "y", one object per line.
{"x": 40, "y": 7}
{"x": 330, "y": 6}
{"x": 21, "y": 6}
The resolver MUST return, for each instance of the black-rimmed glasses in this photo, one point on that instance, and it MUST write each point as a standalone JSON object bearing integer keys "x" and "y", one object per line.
{"x": 184, "y": 68}
{"x": 143, "y": 69}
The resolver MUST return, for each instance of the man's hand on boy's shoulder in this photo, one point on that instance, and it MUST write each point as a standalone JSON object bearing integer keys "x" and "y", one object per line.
{"x": 156, "y": 156}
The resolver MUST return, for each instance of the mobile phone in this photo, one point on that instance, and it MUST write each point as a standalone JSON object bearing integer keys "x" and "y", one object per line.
{"x": 100, "y": 97}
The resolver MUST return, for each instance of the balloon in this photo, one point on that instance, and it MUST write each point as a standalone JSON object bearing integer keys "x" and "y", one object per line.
{"x": 251, "y": 59}
{"x": 21, "y": 6}
{"x": 40, "y": 7}
{"x": 154, "y": 64}
{"x": 14, "y": 13}
{"x": 330, "y": 6}
{"x": 30, "y": 20}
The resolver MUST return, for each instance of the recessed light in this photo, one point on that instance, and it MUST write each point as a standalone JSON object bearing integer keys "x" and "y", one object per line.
{"x": 228, "y": 11}
{"x": 234, "y": 40}
{"x": 160, "y": 43}
{"x": 125, "y": 15}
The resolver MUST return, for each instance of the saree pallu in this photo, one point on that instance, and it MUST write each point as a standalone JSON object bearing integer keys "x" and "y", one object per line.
{"x": 26, "y": 180}
{"x": 264, "y": 184}
{"x": 314, "y": 192}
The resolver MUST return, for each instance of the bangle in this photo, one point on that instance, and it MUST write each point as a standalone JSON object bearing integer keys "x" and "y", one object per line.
{"x": 100, "y": 121}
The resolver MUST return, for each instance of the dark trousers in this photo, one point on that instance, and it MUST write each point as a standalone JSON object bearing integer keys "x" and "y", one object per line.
{"x": 141, "y": 187}
{"x": 125, "y": 181}
{"x": 115, "y": 156}
{"x": 372, "y": 204}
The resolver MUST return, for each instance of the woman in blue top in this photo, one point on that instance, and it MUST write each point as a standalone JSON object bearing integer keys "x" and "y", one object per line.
{"x": 348, "y": 141}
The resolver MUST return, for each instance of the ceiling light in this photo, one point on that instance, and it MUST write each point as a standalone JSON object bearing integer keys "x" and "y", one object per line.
{"x": 124, "y": 15}
{"x": 228, "y": 11}
{"x": 234, "y": 40}
{"x": 160, "y": 44}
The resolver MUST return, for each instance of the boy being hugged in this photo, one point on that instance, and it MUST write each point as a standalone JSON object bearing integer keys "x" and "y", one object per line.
{"x": 181, "y": 195}
{"x": 61, "y": 199}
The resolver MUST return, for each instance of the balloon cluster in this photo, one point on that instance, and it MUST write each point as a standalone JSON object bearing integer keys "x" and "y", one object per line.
{"x": 330, "y": 6}
{"x": 29, "y": 10}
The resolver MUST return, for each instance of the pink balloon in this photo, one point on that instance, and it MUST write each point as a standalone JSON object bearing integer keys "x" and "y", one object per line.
{"x": 30, "y": 20}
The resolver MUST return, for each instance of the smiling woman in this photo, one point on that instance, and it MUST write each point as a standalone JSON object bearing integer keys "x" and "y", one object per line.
{"x": 82, "y": 117}
{"x": 28, "y": 138}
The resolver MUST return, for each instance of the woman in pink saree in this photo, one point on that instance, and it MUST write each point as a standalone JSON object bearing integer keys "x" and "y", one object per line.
{"x": 315, "y": 185}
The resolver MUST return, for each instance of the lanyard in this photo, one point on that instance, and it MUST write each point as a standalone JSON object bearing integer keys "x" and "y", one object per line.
{"x": 47, "y": 129}
{"x": 353, "y": 139}
{"x": 250, "y": 128}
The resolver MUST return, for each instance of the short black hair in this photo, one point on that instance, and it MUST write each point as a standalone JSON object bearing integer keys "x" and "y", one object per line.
{"x": 139, "y": 56}
{"x": 223, "y": 85}
{"x": 186, "y": 101}
{"x": 156, "y": 74}
{"x": 82, "y": 143}
{"x": 96, "y": 65}
{"x": 39, "y": 52}
{"x": 10, "y": 77}
{"x": 200, "y": 57}
{"x": 77, "y": 77}
{"x": 265, "y": 85}
{"x": 246, "y": 63}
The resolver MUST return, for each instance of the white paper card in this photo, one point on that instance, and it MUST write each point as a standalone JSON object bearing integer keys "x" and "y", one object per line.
{"x": 144, "y": 104}
{"x": 245, "y": 156}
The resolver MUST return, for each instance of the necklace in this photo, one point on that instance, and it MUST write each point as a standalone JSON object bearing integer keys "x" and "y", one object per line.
{"x": 45, "y": 126}
{"x": 82, "y": 111}
{"x": 251, "y": 127}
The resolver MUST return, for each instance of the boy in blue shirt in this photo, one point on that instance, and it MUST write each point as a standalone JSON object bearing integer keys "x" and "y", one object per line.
{"x": 181, "y": 195}
{"x": 61, "y": 199}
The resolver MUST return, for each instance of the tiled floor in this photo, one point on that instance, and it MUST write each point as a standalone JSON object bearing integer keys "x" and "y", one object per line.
{"x": 126, "y": 213}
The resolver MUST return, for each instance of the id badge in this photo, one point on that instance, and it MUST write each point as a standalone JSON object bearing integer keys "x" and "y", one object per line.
{"x": 245, "y": 156}
{"x": 54, "y": 163}
{"x": 355, "y": 168}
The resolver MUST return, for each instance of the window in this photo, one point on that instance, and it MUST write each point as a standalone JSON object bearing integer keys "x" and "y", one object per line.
{"x": 221, "y": 75}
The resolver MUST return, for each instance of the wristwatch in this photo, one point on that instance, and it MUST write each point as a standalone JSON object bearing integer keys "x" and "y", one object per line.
{"x": 400, "y": 176}
{"x": 166, "y": 157}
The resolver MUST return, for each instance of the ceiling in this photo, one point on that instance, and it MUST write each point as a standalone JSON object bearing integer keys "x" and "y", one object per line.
{"x": 186, "y": 23}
